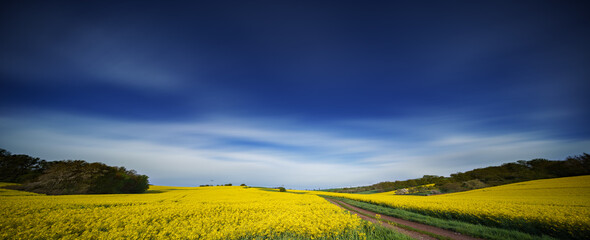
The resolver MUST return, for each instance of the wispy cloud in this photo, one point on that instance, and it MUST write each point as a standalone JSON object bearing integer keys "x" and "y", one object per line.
{"x": 95, "y": 52}
{"x": 272, "y": 152}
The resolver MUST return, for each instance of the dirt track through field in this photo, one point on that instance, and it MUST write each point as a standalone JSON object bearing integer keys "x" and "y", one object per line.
{"x": 419, "y": 226}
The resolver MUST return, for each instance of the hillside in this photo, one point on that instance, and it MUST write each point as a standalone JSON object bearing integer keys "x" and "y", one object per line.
{"x": 67, "y": 176}
{"x": 507, "y": 173}
{"x": 559, "y": 207}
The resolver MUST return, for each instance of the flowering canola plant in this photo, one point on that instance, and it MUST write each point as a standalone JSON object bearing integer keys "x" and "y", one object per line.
{"x": 559, "y": 206}
{"x": 174, "y": 213}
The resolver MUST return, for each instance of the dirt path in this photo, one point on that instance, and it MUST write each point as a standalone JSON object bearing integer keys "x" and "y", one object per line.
{"x": 421, "y": 227}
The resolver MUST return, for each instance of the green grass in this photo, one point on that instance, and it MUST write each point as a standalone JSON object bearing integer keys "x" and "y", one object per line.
{"x": 475, "y": 230}
{"x": 367, "y": 192}
{"x": 267, "y": 189}
{"x": 399, "y": 225}
{"x": 369, "y": 230}
{"x": 380, "y": 232}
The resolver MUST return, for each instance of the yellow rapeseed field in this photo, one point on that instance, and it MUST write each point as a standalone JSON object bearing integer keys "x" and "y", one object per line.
{"x": 174, "y": 213}
{"x": 560, "y": 205}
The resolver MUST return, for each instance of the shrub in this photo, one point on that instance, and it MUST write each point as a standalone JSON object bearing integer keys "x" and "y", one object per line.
{"x": 473, "y": 184}
{"x": 80, "y": 177}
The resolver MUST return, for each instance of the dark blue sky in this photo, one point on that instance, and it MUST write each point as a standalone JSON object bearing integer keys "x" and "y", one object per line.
{"x": 382, "y": 90}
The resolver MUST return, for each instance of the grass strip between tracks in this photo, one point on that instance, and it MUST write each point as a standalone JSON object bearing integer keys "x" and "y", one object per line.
{"x": 393, "y": 223}
{"x": 470, "y": 229}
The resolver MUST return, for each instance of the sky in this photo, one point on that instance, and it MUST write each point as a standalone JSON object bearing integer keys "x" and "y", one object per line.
{"x": 300, "y": 94}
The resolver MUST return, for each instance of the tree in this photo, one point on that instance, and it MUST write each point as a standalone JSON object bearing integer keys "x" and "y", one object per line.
{"x": 579, "y": 164}
{"x": 473, "y": 184}
{"x": 68, "y": 177}
{"x": 80, "y": 177}
{"x": 17, "y": 168}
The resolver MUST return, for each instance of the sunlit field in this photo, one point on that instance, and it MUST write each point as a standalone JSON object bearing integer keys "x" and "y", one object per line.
{"x": 560, "y": 207}
{"x": 176, "y": 213}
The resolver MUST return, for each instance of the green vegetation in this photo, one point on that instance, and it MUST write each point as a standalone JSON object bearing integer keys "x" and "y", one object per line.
{"x": 68, "y": 176}
{"x": 372, "y": 231}
{"x": 382, "y": 233}
{"x": 475, "y": 230}
{"x": 19, "y": 168}
{"x": 381, "y": 220}
{"x": 513, "y": 172}
{"x": 367, "y": 192}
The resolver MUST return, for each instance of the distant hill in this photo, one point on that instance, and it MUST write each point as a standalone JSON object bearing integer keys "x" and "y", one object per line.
{"x": 68, "y": 176}
{"x": 512, "y": 172}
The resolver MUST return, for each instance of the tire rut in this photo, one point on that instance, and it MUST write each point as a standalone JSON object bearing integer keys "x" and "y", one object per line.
{"x": 362, "y": 213}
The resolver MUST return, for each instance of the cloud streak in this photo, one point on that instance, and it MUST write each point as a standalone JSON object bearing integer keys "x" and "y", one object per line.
{"x": 273, "y": 152}
{"x": 304, "y": 95}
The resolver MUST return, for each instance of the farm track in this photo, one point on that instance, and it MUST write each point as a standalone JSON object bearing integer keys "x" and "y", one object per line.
{"x": 422, "y": 229}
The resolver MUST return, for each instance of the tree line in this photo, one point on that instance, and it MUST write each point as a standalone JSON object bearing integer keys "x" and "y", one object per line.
{"x": 68, "y": 176}
{"x": 512, "y": 172}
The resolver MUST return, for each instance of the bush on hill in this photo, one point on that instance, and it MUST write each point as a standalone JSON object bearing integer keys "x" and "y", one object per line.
{"x": 68, "y": 177}
{"x": 19, "y": 168}
{"x": 490, "y": 176}
{"x": 521, "y": 171}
